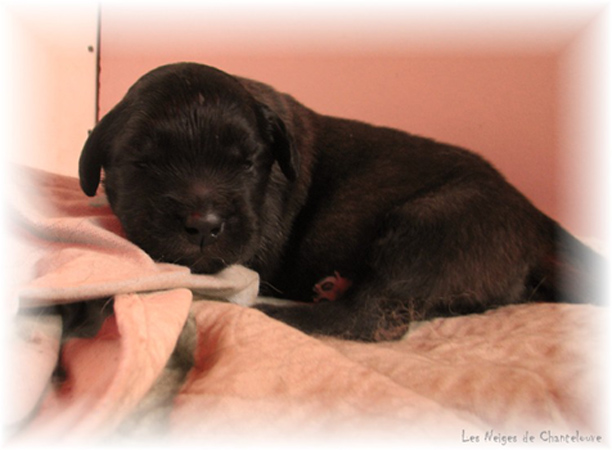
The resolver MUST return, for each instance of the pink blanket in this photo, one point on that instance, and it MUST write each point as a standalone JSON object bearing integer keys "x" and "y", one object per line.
{"x": 182, "y": 358}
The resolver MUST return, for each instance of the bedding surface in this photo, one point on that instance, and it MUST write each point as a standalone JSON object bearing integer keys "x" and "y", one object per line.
{"x": 108, "y": 346}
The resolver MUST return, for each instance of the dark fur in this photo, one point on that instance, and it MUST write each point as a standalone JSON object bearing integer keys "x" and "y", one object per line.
{"x": 422, "y": 228}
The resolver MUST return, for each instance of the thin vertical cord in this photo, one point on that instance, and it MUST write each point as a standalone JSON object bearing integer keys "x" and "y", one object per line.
{"x": 98, "y": 68}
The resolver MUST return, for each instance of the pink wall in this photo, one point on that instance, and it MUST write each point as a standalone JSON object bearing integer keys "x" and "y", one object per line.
{"x": 501, "y": 101}
{"x": 48, "y": 98}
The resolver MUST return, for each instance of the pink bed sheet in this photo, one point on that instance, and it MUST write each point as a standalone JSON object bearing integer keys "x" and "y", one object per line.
{"x": 175, "y": 363}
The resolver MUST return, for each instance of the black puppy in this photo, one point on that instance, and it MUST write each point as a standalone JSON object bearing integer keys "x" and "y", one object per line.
{"x": 206, "y": 169}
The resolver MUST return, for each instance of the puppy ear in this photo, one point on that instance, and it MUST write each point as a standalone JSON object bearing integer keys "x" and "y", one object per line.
{"x": 283, "y": 147}
{"x": 95, "y": 151}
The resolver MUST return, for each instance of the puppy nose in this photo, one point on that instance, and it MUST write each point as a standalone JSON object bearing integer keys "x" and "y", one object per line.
{"x": 203, "y": 228}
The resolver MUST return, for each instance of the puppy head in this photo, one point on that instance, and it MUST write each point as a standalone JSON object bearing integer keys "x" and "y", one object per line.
{"x": 188, "y": 156}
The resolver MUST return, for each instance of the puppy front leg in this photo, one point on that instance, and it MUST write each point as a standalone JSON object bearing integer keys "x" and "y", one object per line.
{"x": 361, "y": 315}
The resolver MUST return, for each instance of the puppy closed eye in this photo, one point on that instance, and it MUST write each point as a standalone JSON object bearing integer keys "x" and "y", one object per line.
{"x": 248, "y": 165}
{"x": 141, "y": 165}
